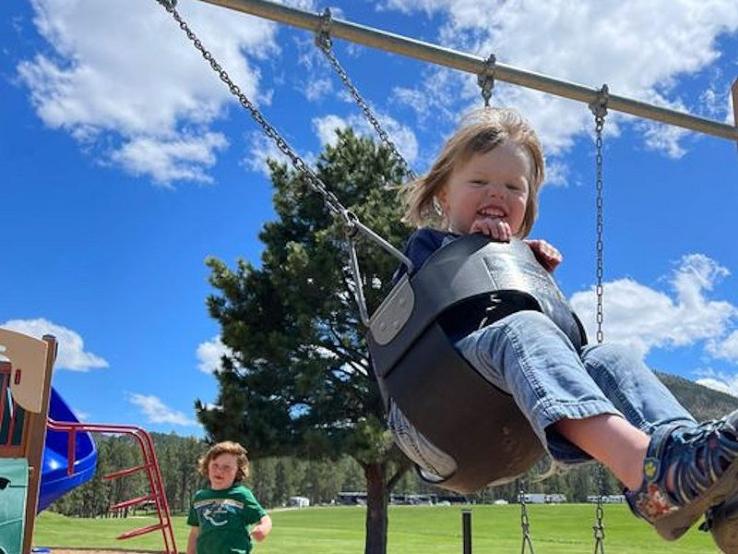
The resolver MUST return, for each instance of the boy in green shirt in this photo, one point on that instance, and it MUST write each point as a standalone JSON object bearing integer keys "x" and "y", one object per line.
{"x": 220, "y": 515}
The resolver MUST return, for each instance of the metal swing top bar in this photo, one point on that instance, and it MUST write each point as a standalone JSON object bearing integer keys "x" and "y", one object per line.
{"x": 479, "y": 66}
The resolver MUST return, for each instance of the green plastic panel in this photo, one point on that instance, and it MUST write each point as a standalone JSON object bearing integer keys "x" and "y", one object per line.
{"x": 13, "y": 490}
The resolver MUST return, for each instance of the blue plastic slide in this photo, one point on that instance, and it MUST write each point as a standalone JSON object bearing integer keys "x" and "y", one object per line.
{"x": 55, "y": 481}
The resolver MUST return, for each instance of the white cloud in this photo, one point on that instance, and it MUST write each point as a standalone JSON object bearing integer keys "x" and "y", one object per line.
{"x": 158, "y": 412}
{"x": 209, "y": 354}
{"x": 325, "y": 127}
{"x": 260, "y": 149}
{"x": 180, "y": 158}
{"x": 122, "y": 72}
{"x": 644, "y": 318}
{"x": 71, "y": 355}
{"x": 720, "y": 381}
{"x": 585, "y": 42}
{"x": 317, "y": 89}
{"x": 726, "y": 348}
{"x": 401, "y": 136}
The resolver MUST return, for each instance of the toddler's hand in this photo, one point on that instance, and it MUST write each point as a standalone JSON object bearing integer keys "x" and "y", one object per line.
{"x": 495, "y": 228}
{"x": 546, "y": 254}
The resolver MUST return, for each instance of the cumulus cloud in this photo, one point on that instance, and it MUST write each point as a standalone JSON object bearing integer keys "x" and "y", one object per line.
{"x": 726, "y": 348}
{"x": 585, "y": 42}
{"x": 157, "y": 412}
{"x": 644, "y": 318}
{"x": 401, "y": 135}
{"x": 719, "y": 380}
{"x": 72, "y": 354}
{"x": 209, "y": 354}
{"x": 122, "y": 73}
{"x": 260, "y": 149}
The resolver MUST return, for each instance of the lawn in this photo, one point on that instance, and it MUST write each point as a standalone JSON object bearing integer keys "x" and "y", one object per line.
{"x": 556, "y": 529}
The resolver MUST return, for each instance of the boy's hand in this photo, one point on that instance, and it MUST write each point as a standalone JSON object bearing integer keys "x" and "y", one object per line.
{"x": 497, "y": 229}
{"x": 546, "y": 254}
{"x": 258, "y": 534}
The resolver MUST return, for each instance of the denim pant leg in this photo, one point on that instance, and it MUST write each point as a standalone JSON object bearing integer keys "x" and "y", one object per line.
{"x": 526, "y": 355}
{"x": 633, "y": 388}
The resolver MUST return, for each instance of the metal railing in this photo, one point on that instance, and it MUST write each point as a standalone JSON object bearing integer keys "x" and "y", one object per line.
{"x": 476, "y": 65}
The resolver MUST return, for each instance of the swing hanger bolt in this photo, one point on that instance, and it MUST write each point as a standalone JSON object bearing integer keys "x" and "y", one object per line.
{"x": 351, "y": 223}
{"x": 486, "y": 79}
{"x": 323, "y": 33}
{"x": 599, "y": 105}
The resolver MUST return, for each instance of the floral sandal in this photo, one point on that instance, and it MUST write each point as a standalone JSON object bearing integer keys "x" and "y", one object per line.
{"x": 703, "y": 463}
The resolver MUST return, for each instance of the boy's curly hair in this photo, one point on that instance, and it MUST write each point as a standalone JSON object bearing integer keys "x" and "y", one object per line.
{"x": 226, "y": 447}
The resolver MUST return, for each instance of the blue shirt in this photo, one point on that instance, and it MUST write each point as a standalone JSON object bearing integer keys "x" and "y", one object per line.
{"x": 463, "y": 318}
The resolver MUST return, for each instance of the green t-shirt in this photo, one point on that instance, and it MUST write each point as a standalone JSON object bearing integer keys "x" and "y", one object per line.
{"x": 223, "y": 517}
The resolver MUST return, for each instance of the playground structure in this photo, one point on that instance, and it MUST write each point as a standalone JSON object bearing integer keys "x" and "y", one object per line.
{"x": 46, "y": 452}
{"x": 394, "y": 317}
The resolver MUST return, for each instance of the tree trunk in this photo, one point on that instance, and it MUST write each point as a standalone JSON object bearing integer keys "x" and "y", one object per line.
{"x": 377, "y": 496}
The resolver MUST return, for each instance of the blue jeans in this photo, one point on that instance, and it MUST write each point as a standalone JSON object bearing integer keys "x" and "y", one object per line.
{"x": 526, "y": 355}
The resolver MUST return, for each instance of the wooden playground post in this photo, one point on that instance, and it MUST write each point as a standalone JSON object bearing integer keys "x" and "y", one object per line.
{"x": 35, "y": 443}
{"x": 29, "y": 380}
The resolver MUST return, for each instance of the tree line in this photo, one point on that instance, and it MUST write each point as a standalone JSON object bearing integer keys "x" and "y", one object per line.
{"x": 274, "y": 480}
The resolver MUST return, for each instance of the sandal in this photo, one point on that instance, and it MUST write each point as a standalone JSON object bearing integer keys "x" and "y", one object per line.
{"x": 703, "y": 461}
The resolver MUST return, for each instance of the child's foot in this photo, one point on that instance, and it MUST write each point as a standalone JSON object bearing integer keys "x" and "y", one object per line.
{"x": 722, "y": 522}
{"x": 687, "y": 470}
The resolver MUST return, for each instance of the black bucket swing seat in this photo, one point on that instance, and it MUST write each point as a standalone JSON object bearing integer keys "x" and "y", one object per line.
{"x": 419, "y": 369}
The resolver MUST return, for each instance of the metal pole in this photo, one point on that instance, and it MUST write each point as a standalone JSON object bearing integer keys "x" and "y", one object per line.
{"x": 466, "y": 531}
{"x": 474, "y": 64}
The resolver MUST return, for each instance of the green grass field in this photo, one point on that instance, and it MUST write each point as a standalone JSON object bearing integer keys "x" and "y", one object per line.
{"x": 556, "y": 529}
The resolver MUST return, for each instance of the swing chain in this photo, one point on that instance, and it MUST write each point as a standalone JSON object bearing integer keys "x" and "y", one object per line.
{"x": 486, "y": 79}
{"x": 325, "y": 44}
{"x": 599, "y": 110}
{"x": 351, "y": 224}
{"x": 312, "y": 180}
{"x": 524, "y": 522}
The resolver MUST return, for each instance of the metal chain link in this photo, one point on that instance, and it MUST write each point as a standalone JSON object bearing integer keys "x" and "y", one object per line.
{"x": 312, "y": 180}
{"x": 486, "y": 79}
{"x": 524, "y": 522}
{"x": 325, "y": 44}
{"x": 351, "y": 223}
{"x": 599, "y": 110}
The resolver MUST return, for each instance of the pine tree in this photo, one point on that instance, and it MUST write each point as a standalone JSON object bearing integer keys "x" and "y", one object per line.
{"x": 299, "y": 381}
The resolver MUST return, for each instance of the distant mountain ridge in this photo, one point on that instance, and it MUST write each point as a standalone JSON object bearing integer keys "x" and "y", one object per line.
{"x": 702, "y": 402}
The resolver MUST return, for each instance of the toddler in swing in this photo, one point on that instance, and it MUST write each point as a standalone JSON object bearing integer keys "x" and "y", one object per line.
{"x": 600, "y": 402}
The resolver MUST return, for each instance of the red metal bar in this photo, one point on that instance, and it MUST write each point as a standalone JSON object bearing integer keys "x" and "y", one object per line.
{"x": 124, "y": 472}
{"x": 150, "y": 464}
{"x": 132, "y": 502}
{"x": 140, "y": 531}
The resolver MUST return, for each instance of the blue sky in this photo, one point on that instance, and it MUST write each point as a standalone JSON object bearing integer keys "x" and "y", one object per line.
{"x": 125, "y": 164}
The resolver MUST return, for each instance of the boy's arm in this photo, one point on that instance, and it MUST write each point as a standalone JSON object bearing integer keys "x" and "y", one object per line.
{"x": 192, "y": 540}
{"x": 261, "y": 529}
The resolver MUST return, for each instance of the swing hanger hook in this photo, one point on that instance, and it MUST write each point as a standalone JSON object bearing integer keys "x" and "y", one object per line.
{"x": 323, "y": 33}
{"x": 599, "y": 105}
{"x": 486, "y": 79}
{"x": 168, "y": 4}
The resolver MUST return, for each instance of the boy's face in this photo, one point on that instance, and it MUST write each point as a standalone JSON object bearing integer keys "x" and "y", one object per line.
{"x": 491, "y": 186}
{"x": 222, "y": 471}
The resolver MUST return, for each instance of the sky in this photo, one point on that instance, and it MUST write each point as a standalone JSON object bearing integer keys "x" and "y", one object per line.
{"x": 126, "y": 163}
